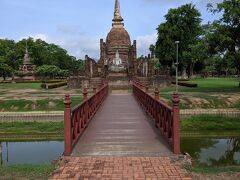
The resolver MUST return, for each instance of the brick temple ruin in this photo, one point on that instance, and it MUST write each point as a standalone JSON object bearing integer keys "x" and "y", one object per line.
{"x": 27, "y": 69}
{"x": 118, "y": 63}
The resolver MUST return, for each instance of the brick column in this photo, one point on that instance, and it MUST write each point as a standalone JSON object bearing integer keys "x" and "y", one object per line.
{"x": 176, "y": 124}
{"x": 67, "y": 126}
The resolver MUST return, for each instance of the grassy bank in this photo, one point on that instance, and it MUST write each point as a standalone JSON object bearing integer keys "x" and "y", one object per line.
{"x": 207, "y": 126}
{"x": 48, "y": 104}
{"x": 212, "y": 169}
{"x": 206, "y": 122}
{"x": 31, "y": 131}
{"x": 26, "y": 171}
{"x": 210, "y": 126}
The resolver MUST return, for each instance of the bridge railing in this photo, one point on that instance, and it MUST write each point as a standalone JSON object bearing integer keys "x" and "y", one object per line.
{"x": 166, "y": 118}
{"x": 76, "y": 119}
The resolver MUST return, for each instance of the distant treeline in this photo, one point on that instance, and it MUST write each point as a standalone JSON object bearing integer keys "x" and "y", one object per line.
{"x": 212, "y": 48}
{"x": 41, "y": 53}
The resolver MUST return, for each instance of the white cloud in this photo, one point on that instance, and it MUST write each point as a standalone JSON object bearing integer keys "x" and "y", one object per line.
{"x": 143, "y": 43}
{"x": 80, "y": 46}
{"x": 41, "y": 36}
{"x": 77, "y": 46}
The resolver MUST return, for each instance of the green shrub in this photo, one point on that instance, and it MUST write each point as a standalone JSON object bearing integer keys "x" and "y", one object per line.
{"x": 186, "y": 84}
{"x": 54, "y": 85}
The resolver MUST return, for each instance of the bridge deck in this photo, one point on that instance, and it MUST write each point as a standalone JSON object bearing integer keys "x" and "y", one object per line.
{"x": 121, "y": 128}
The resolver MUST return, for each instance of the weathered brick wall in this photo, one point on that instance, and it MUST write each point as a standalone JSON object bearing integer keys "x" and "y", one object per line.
{"x": 56, "y": 116}
{"x": 53, "y": 116}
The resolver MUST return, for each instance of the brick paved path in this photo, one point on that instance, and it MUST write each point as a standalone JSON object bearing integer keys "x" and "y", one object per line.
{"x": 127, "y": 168}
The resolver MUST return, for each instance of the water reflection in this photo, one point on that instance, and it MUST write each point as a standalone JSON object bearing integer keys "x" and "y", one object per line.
{"x": 210, "y": 151}
{"x": 29, "y": 152}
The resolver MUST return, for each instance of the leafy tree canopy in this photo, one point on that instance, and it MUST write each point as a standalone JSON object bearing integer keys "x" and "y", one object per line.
{"x": 225, "y": 39}
{"x": 41, "y": 53}
{"x": 182, "y": 24}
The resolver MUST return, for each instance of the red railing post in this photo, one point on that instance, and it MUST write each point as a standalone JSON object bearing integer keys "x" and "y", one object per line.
{"x": 94, "y": 89}
{"x": 155, "y": 111}
{"x": 176, "y": 124}
{"x": 85, "y": 94}
{"x": 156, "y": 92}
{"x": 67, "y": 126}
{"x": 147, "y": 89}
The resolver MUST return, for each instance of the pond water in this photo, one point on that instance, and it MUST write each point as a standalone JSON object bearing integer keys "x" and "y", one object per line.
{"x": 30, "y": 152}
{"x": 212, "y": 151}
{"x": 205, "y": 151}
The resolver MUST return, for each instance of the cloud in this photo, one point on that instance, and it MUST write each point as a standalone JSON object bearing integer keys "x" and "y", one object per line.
{"x": 41, "y": 36}
{"x": 143, "y": 43}
{"x": 69, "y": 29}
{"x": 81, "y": 45}
{"x": 77, "y": 46}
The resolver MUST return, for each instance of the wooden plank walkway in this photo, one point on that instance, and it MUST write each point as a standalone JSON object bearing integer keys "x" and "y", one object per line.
{"x": 121, "y": 128}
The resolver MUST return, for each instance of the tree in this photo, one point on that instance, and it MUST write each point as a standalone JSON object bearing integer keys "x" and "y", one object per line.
{"x": 5, "y": 70}
{"x": 8, "y": 53}
{"x": 51, "y": 71}
{"x": 48, "y": 71}
{"x": 41, "y": 53}
{"x": 182, "y": 24}
{"x": 225, "y": 40}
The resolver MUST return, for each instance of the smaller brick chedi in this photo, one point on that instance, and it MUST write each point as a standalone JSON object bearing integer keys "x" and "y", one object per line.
{"x": 27, "y": 69}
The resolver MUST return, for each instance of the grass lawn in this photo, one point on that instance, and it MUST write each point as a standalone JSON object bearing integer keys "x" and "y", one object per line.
{"x": 217, "y": 84}
{"x": 37, "y": 105}
{"x": 208, "y": 85}
{"x": 210, "y": 93}
{"x": 26, "y": 171}
{"x": 20, "y": 85}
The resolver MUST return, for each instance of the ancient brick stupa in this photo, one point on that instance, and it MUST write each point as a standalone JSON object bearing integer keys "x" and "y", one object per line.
{"x": 118, "y": 59}
{"x": 27, "y": 69}
{"x": 118, "y": 43}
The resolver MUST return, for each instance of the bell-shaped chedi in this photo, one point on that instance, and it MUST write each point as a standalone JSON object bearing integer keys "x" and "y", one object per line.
{"x": 118, "y": 40}
{"x": 27, "y": 69}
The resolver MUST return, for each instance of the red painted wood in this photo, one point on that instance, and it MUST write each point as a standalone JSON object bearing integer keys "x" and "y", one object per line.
{"x": 166, "y": 118}
{"x": 94, "y": 89}
{"x": 85, "y": 93}
{"x": 156, "y": 92}
{"x": 76, "y": 120}
{"x": 67, "y": 126}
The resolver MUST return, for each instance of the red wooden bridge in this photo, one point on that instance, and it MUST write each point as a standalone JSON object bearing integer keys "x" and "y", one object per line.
{"x": 127, "y": 136}
{"x": 137, "y": 124}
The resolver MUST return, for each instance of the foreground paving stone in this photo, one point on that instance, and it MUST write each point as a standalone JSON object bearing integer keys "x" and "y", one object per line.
{"x": 129, "y": 168}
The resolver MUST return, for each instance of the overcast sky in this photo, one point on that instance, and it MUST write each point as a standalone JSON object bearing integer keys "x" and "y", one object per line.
{"x": 77, "y": 25}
